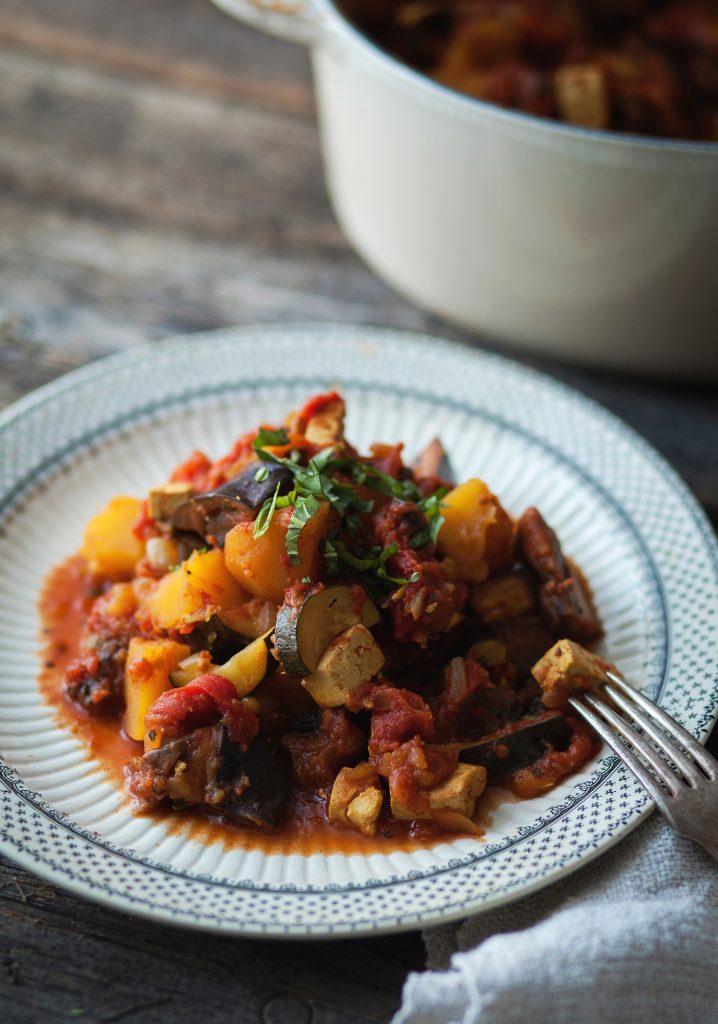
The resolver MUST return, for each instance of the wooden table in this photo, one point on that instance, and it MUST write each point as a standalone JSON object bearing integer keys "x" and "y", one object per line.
{"x": 160, "y": 174}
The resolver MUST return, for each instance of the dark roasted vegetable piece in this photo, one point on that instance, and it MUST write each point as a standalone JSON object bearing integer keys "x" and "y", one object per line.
{"x": 186, "y": 770}
{"x": 204, "y": 769}
{"x": 216, "y": 637}
{"x": 432, "y": 462}
{"x": 303, "y": 632}
{"x": 514, "y": 748}
{"x": 95, "y": 680}
{"x": 258, "y": 784}
{"x": 563, "y": 596}
{"x": 212, "y": 515}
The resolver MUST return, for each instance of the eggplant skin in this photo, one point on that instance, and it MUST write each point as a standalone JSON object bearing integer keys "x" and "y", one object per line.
{"x": 259, "y": 783}
{"x": 253, "y": 492}
{"x": 217, "y": 638}
{"x": 212, "y": 515}
{"x": 509, "y": 750}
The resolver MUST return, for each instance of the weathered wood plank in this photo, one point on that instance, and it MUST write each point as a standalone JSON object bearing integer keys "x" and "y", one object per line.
{"x": 160, "y": 174}
{"x": 59, "y": 954}
{"x": 180, "y": 42}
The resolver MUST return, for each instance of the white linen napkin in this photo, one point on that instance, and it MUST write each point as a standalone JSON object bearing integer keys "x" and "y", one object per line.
{"x": 629, "y": 939}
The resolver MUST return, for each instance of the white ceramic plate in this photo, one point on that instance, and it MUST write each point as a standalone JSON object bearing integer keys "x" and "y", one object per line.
{"x": 119, "y": 425}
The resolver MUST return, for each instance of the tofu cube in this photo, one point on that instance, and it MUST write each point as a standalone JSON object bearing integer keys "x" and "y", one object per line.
{"x": 356, "y": 799}
{"x": 352, "y": 658}
{"x": 326, "y": 426}
{"x": 581, "y": 95}
{"x": 568, "y": 668}
{"x": 363, "y": 812}
{"x": 165, "y": 500}
{"x": 458, "y": 793}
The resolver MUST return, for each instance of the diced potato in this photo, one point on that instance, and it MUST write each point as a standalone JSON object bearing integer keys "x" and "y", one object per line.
{"x": 352, "y": 658}
{"x": 568, "y": 668}
{"x": 192, "y": 591}
{"x": 147, "y": 675}
{"x": 165, "y": 500}
{"x": 582, "y": 95}
{"x": 262, "y": 564}
{"x": 458, "y": 793}
{"x": 110, "y": 545}
{"x": 477, "y": 534}
{"x": 118, "y": 602}
{"x": 356, "y": 798}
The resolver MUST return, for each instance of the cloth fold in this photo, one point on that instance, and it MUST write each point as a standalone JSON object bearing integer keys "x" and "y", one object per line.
{"x": 629, "y": 939}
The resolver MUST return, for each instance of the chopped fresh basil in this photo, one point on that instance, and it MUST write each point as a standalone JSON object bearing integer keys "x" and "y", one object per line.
{"x": 261, "y": 474}
{"x": 264, "y": 516}
{"x": 269, "y": 437}
{"x": 304, "y": 509}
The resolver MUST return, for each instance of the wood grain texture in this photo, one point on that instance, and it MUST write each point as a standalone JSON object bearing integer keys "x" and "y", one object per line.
{"x": 160, "y": 174}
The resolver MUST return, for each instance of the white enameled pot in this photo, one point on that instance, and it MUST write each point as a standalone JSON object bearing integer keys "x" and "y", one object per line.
{"x": 589, "y": 246}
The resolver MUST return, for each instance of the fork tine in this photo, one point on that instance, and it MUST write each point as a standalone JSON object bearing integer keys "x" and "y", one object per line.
{"x": 660, "y": 766}
{"x": 663, "y": 741}
{"x": 655, "y": 790}
{"x": 707, "y": 762}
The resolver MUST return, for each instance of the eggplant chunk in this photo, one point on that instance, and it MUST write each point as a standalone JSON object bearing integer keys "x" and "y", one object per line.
{"x": 506, "y": 596}
{"x": 187, "y": 771}
{"x": 303, "y": 634}
{"x": 352, "y": 658}
{"x": 568, "y": 668}
{"x": 212, "y": 515}
{"x": 204, "y": 769}
{"x": 511, "y": 749}
{"x": 433, "y": 462}
{"x": 259, "y": 783}
{"x": 215, "y": 636}
{"x": 563, "y": 595}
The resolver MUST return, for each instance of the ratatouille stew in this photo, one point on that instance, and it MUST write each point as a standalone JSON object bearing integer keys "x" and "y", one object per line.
{"x": 299, "y": 625}
{"x": 643, "y": 66}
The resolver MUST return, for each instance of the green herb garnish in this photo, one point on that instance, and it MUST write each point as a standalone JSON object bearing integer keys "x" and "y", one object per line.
{"x": 315, "y": 482}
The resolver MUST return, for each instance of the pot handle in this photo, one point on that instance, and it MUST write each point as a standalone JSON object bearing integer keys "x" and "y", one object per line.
{"x": 294, "y": 20}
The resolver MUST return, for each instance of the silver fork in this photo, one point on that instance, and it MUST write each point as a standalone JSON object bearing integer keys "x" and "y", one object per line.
{"x": 684, "y": 780}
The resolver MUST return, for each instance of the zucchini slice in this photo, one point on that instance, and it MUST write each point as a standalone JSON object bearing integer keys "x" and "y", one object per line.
{"x": 246, "y": 669}
{"x": 303, "y": 634}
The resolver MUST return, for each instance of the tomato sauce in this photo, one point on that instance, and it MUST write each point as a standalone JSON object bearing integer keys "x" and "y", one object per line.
{"x": 64, "y": 605}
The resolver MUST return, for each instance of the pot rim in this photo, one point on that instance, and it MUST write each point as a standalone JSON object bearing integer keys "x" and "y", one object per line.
{"x": 469, "y": 107}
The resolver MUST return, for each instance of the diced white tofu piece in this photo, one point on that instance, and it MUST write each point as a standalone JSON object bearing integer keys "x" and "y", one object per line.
{"x": 356, "y": 798}
{"x": 581, "y": 95}
{"x": 165, "y": 500}
{"x": 352, "y": 658}
{"x": 327, "y": 426}
{"x": 568, "y": 668}
{"x": 458, "y": 793}
{"x": 364, "y": 810}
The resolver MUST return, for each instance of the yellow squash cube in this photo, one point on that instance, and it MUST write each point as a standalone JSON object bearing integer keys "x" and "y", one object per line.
{"x": 110, "y": 545}
{"x": 476, "y": 534}
{"x": 199, "y": 585}
{"x": 147, "y": 675}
